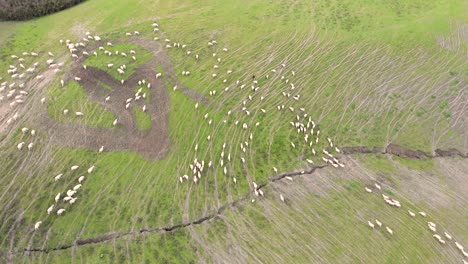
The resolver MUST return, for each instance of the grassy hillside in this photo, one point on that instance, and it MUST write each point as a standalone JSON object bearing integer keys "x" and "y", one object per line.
{"x": 369, "y": 73}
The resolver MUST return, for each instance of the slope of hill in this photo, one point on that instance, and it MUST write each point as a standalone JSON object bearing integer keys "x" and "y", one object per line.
{"x": 272, "y": 135}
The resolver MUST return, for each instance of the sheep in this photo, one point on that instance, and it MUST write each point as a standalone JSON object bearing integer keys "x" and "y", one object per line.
{"x": 448, "y": 236}
{"x": 73, "y": 200}
{"x": 370, "y": 224}
{"x": 81, "y": 179}
{"x": 459, "y": 246}
{"x": 20, "y": 145}
{"x": 37, "y": 225}
{"x": 77, "y": 187}
{"x": 79, "y": 114}
{"x": 378, "y": 223}
{"x": 49, "y": 210}
{"x": 60, "y": 211}
{"x": 423, "y": 214}
{"x": 368, "y": 190}
{"x": 411, "y": 213}
{"x": 282, "y": 198}
{"x": 101, "y": 149}
{"x": 30, "y": 146}
{"x": 91, "y": 169}
{"x": 377, "y": 186}
{"x": 56, "y": 178}
{"x": 71, "y": 192}
{"x": 43, "y": 100}
{"x": 115, "y": 122}
{"x": 74, "y": 167}
{"x": 439, "y": 239}
{"x": 389, "y": 230}
{"x": 68, "y": 198}
{"x": 57, "y": 197}
{"x": 24, "y": 130}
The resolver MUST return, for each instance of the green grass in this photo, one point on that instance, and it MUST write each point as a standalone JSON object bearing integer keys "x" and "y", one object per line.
{"x": 73, "y": 97}
{"x": 102, "y": 60}
{"x": 142, "y": 119}
{"x": 370, "y": 73}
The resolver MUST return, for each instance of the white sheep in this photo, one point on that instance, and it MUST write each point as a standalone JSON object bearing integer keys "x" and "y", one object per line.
{"x": 20, "y": 145}
{"x": 79, "y": 114}
{"x": 57, "y": 197}
{"x": 370, "y": 224}
{"x": 81, "y": 179}
{"x": 448, "y": 236}
{"x": 60, "y": 211}
{"x": 378, "y": 223}
{"x": 74, "y": 167}
{"x": 390, "y": 231}
{"x": 56, "y": 178}
{"x": 37, "y": 225}
{"x": 91, "y": 169}
{"x": 77, "y": 187}
{"x": 50, "y": 209}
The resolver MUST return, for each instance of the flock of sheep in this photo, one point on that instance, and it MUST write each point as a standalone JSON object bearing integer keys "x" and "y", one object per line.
{"x": 302, "y": 123}
{"x": 431, "y": 225}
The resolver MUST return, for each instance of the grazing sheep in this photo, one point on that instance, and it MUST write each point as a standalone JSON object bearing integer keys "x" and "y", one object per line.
{"x": 71, "y": 192}
{"x": 378, "y": 223}
{"x": 74, "y": 167}
{"x": 448, "y": 236}
{"x": 91, "y": 169}
{"x": 368, "y": 190}
{"x": 423, "y": 214}
{"x": 79, "y": 114}
{"x": 30, "y": 146}
{"x": 370, "y": 224}
{"x": 37, "y": 225}
{"x": 50, "y": 209}
{"x": 60, "y": 211}
{"x": 282, "y": 198}
{"x": 81, "y": 179}
{"x": 56, "y": 178}
{"x": 77, "y": 187}
{"x": 20, "y": 145}
{"x": 389, "y": 230}
{"x": 411, "y": 213}
{"x": 57, "y": 197}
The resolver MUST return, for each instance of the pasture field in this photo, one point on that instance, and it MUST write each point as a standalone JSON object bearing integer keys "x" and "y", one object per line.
{"x": 286, "y": 87}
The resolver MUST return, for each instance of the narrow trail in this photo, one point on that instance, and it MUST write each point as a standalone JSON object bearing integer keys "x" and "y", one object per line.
{"x": 392, "y": 149}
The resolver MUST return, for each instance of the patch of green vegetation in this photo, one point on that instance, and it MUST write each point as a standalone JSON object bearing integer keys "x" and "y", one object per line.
{"x": 378, "y": 163}
{"x": 102, "y": 60}
{"x": 419, "y": 165}
{"x": 73, "y": 97}
{"x": 142, "y": 119}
